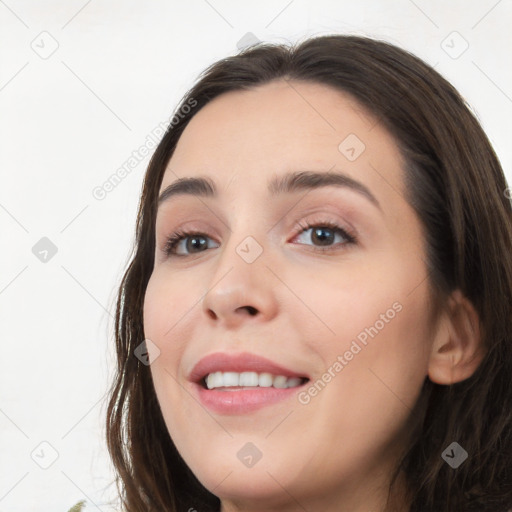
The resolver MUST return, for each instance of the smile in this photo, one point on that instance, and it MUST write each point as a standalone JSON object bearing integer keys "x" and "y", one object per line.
{"x": 233, "y": 380}
{"x": 242, "y": 383}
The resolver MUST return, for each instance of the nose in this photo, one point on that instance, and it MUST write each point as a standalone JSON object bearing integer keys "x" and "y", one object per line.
{"x": 240, "y": 291}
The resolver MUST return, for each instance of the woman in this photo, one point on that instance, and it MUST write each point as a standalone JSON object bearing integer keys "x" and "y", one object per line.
{"x": 322, "y": 280}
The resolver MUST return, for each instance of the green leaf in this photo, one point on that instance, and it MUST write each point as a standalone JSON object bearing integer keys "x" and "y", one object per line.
{"x": 78, "y": 507}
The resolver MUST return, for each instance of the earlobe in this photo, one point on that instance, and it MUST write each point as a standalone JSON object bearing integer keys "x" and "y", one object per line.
{"x": 457, "y": 349}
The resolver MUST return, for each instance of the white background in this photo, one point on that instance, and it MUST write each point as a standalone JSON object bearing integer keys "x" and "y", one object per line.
{"x": 69, "y": 120}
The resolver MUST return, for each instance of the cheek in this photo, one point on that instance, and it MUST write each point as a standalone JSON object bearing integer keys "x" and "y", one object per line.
{"x": 381, "y": 299}
{"x": 386, "y": 360}
{"x": 167, "y": 302}
{"x": 380, "y": 329}
{"x": 154, "y": 316}
{"x": 371, "y": 394}
{"x": 168, "y": 308}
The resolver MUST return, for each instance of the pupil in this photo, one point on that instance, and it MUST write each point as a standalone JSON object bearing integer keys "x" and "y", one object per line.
{"x": 324, "y": 240}
{"x": 191, "y": 245}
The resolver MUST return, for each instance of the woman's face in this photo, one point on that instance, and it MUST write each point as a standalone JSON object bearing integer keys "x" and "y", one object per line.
{"x": 347, "y": 311}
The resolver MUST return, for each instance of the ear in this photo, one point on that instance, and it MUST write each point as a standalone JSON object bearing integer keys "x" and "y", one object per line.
{"x": 458, "y": 349}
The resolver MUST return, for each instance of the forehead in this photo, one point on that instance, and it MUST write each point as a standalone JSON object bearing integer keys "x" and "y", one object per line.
{"x": 244, "y": 138}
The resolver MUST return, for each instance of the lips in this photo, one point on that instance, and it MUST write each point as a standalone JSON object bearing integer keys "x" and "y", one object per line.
{"x": 242, "y": 362}
{"x": 242, "y": 400}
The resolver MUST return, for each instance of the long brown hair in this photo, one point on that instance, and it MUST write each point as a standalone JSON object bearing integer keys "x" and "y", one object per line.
{"x": 456, "y": 186}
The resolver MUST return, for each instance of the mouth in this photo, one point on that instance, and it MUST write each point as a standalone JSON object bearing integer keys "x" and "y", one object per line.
{"x": 242, "y": 383}
{"x": 233, "y": 381}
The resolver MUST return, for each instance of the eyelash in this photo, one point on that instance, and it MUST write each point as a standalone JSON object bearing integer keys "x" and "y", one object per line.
{"x": 173, "y": 240}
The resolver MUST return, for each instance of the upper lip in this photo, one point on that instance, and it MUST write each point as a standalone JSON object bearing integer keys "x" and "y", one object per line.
{"x": 239, "y": 362}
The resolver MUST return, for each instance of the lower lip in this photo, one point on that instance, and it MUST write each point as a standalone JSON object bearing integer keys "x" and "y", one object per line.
{"x": 243, "y": 401}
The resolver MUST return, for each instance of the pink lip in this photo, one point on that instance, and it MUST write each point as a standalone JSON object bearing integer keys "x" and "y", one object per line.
{"x": 240, "y": 400}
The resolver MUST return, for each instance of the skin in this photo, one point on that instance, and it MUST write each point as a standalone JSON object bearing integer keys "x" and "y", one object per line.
{"x": 337, "y": 451}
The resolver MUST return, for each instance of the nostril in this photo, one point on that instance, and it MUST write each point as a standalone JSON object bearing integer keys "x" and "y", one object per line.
{"x": 252, "y": 311}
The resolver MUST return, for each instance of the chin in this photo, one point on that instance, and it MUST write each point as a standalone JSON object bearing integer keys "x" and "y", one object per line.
{"x": 258, "y": 488}
{"x": 227, "y": 477}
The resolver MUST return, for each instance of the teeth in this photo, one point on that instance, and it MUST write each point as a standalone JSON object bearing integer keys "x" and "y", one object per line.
{"x": 250, "y": 379}
{"x": 265, "y": 380}
{"x": 280, "y": 381}
{"x": 231, "y": 379}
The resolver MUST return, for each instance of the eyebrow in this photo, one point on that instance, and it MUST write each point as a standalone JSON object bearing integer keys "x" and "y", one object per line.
{"x": 289, "y": 183}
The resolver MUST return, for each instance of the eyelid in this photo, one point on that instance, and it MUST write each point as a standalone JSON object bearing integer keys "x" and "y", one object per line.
{"x": 323, "y": 219}
{"x": 350, "y": 235}
{"x": 188, "y": 229}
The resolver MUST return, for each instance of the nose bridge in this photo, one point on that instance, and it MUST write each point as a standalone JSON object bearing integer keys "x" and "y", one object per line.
{"x": 246, "y": 241}
{"x": 241, "y": 281}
